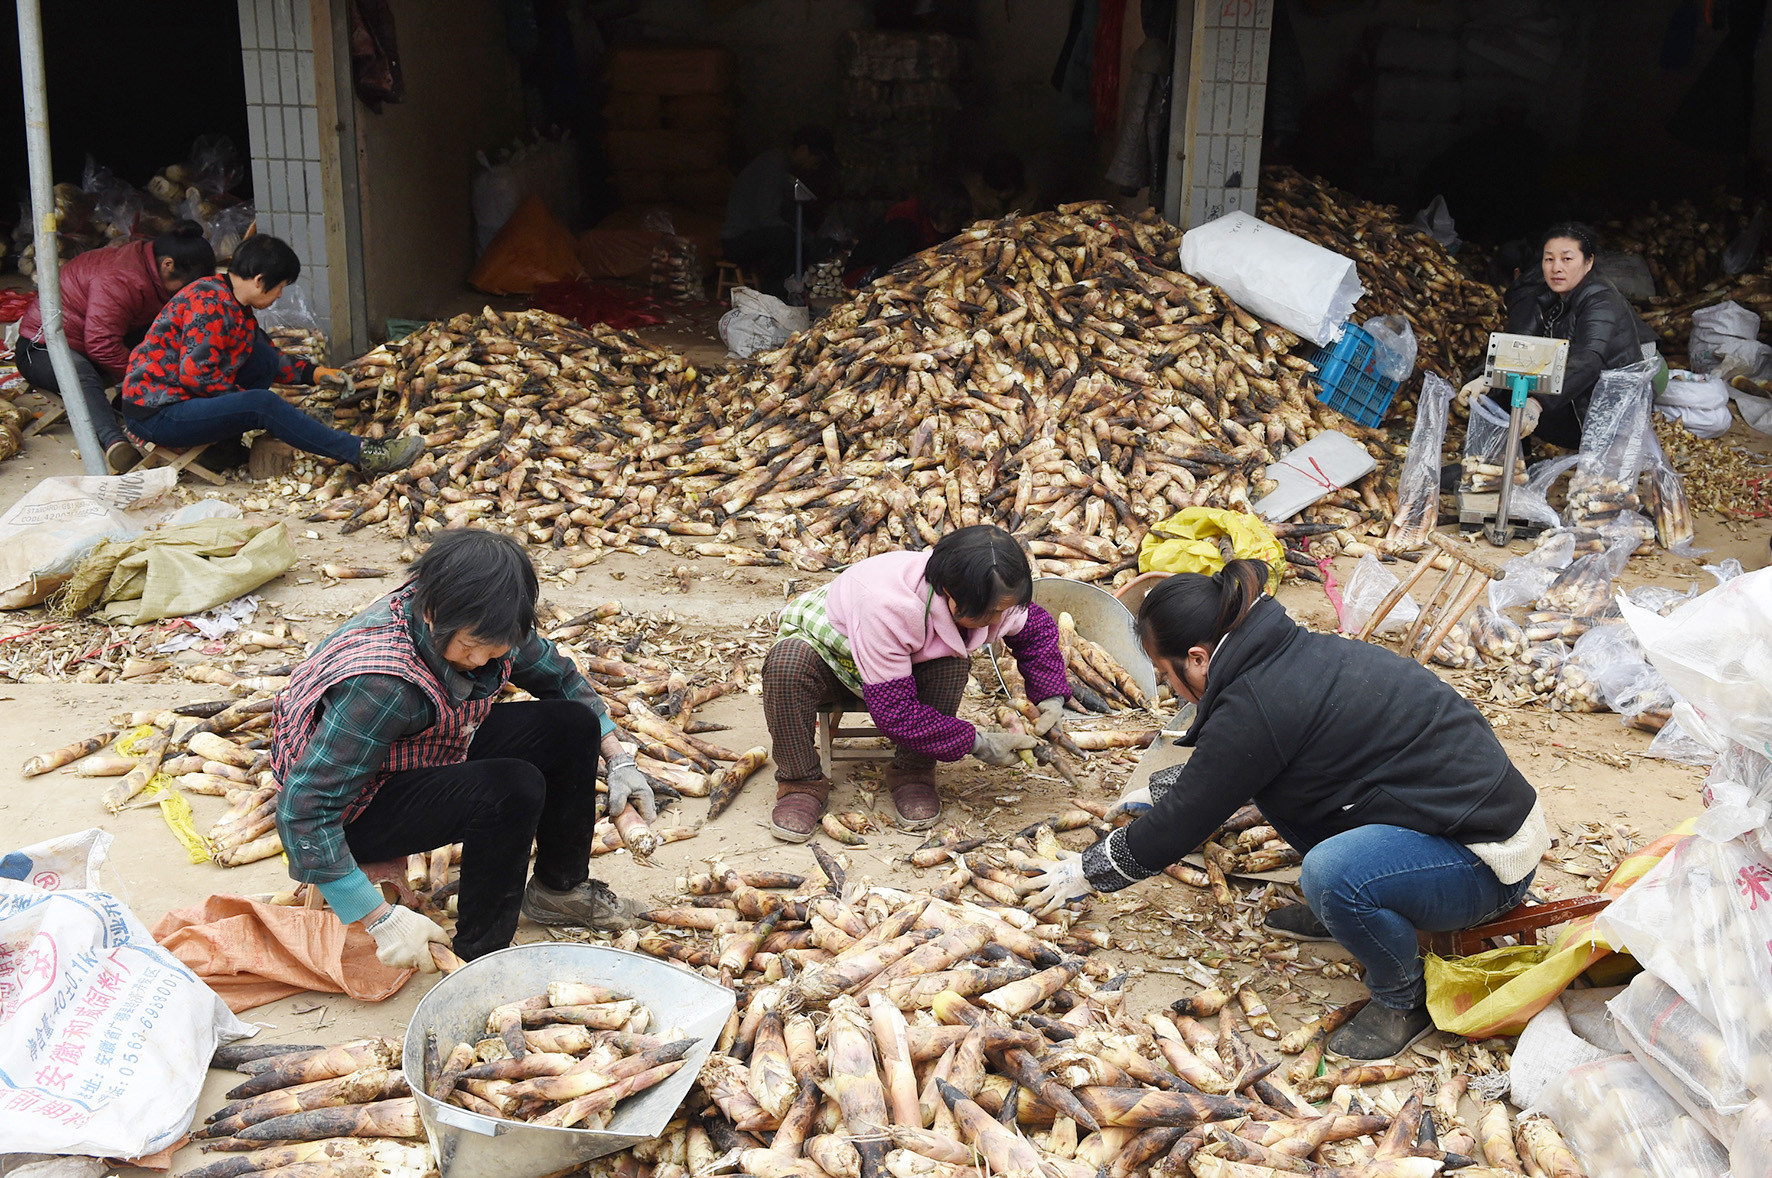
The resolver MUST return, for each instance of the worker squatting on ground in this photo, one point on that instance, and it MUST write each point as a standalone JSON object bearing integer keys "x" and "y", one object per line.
{"x": 388, "y": 744}
{"x": 1408, "y": 812}
{"x": 204, "y": 372}
{"x": 895, "y": 635}
{"x": 109, "y": 297}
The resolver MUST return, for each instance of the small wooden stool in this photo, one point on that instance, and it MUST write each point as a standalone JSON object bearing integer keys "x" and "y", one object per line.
{"x": 729, "y": 276}
{"x": 1523, "y": 921}
{"x": 179, "y": 460}
{"x": 831, "y": 730}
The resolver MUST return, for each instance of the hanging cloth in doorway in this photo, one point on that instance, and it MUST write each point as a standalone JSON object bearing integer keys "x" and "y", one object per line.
{"x": 375, "y": 54}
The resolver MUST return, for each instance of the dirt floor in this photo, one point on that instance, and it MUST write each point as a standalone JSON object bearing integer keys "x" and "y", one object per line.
{"x": 1602, "y": 796}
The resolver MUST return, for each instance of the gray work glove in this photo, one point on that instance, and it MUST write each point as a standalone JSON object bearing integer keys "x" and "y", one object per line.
{"x": 1002, "y": 748}
{"x": 1529, "y": 415}
{"x": 403, "y": 939}
{"x": 627, "y": 784}
{"x": 1051, "y": 716}
{"x": 1058, "y": 882}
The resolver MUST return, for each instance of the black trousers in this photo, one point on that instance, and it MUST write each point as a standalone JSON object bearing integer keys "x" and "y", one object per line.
{"x": 530, "y": 777}
{"x": 33, "y": 362}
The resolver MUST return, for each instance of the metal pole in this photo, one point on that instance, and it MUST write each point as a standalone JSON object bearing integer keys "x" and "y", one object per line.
{"x": 49, "y": 290}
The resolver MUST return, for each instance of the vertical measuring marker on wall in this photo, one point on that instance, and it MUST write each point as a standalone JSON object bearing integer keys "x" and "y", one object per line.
{"x": 1227, "y": 90}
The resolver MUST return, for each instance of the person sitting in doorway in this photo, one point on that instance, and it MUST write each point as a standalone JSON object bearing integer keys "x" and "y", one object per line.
{"x": 204, "y": 372}
{"x": 913, "y": 225}
{"x": 758, "y": 234}
{"x": 109, "y": 297}
{"x": 1000, "y": 187}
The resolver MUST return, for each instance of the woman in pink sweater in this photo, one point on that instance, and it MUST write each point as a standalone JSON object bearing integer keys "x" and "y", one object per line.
{"x": 898, "y": 631}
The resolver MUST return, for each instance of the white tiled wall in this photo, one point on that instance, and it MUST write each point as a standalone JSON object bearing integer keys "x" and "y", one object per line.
{"x": 276, "y": 46}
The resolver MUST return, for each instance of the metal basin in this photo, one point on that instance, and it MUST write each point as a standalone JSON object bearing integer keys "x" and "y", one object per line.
{"x": 1104, "y": 620}
{"x": 468, "y": 1145}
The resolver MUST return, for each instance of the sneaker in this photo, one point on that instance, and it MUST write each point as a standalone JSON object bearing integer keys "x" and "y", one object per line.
{"x": 121, "y": 457}
{"x": 1378, "y": 1032}
{"x": 383, "y": 457}
{"x": 590, "y": 905}
{"x": 1298, "y": 922}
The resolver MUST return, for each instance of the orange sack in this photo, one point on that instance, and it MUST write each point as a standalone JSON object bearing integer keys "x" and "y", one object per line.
{"x": 533, "y": 249}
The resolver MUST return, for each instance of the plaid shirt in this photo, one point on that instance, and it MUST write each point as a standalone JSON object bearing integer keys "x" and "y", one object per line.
{"x": 805, "y": 619}
{"x": 365, "y": 714}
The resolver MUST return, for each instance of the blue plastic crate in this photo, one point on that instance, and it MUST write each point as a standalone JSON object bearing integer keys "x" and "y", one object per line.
{"x": 1347, "y": 371}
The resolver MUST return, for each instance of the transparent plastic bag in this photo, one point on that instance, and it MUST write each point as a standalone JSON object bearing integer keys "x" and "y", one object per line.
{"x": 215, "y": 164}
{"x": 227, "y": 229}
{"x": 1456, "y": 650}
{"x": 292, "y": 309}
{"x": 1664, "y": 1032}
{"x": 1525, "y": 578}
{"x": 1674, "y": 743}
{"x": 1621, "y": 1124}
{"x": 1659, "y": 598}
{"x": 1532, "y": 501}
{"x": 1751, "y": 1155}
{"x": 1498, "y": 639}
{"x": 1616, "y": 437}
{"x": 1701, "y": 921}
{"x": 1667, "y": 504}
{"x": 1366, "y": 590}
{"x": 114, "y": 202}
{"x": 1395, "y": 342}
{"x": 1714, "y": 652}
{"x": 1485, "y": 449}
{"x": 1728, "y": 570}
{"x": 1418, "y": 487}
{"x": 1585, "y": 587}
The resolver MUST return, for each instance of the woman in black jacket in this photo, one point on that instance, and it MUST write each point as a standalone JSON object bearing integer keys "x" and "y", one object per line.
{"x": 1567, "y": 300}
{"x": 1408, "y": 812}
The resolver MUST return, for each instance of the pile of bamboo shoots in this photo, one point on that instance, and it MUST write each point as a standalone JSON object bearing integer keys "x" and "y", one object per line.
{"x": 566, "y": 1058}
{"x": 1404, "y": 270}
{"x": 1682, "y": 244}
{"x": 337, "y": 1112}
{"x": 932, "y": 1033}
{"x": 217, "y": 748}
{"x": 1056, "y": 374}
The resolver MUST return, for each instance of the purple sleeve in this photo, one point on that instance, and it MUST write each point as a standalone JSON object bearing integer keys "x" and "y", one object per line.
{"x": 913, "y": 724}
{"x": 1036, "y": 652}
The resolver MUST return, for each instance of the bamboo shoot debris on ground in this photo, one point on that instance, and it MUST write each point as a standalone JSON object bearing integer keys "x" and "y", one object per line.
{"x": 932, "y": 1032}
{"x": 1055, "y": 373}
{"x": 566, "y": 1058}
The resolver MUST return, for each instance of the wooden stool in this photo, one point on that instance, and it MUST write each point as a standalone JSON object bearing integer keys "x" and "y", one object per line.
{"x": 51, "y": 415}
{"x": 1523, "y": 922}
{"x": 179, "y": 460}
{"x": 729, "y": 276}
{"x": 831, "y": 730}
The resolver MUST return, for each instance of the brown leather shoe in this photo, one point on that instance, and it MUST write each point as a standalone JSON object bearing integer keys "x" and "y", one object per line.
{"x": 915, "y": 804}
{"x": 798, "y": 807}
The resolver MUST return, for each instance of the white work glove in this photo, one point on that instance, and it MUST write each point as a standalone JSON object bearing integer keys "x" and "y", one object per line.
{"x": 1132, "y": 804}
{"x": 628, "y": 784}
{"x": 1059, "y": 882}
{"x": 1472, "y": 390}
{"x": 1529, "y": 415}
{"x": 1051, "y": 715}
{"x": 403, "y": 939}
{"x": 1002, "y": 748}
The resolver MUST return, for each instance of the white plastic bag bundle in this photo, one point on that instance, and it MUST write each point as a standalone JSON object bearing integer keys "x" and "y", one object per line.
{"x": 1700, "y": 403}
{"x": 1548, "y": 1048}
{"x": 1714, "y": 653}
{"x": 1756, "y": 411}
{"x": 1619, "y": 1122}
{"x": 759, "y": 322}
{"x": 1274, "y": 275}
{"x": 1716, "y": 325}
{"x": 105, "y": 1037}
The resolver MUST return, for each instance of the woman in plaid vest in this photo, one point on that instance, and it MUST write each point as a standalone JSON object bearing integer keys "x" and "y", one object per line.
{"x": 898, "y": 631}
{"x": 388, "y": 743}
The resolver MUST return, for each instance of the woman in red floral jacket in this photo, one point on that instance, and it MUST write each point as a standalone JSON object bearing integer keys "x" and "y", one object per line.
{"x": 204, "y": 372}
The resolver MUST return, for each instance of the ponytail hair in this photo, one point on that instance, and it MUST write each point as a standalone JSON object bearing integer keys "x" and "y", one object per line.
{"x": 1186, "y": 610}
{"x": 192, "y": 257}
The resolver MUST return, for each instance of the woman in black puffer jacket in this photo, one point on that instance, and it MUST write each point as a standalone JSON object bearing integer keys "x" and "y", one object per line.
{"x": 1567, "y": 300}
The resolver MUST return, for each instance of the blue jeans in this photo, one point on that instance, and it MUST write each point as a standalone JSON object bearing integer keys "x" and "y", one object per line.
{"x": 1374, "y": 886}
{"x": 227, "y": 416}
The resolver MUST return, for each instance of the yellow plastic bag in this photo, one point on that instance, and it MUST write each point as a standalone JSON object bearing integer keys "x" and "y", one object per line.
{"x": 1187, "y": 542}
{"x": 1498, "y": 991}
